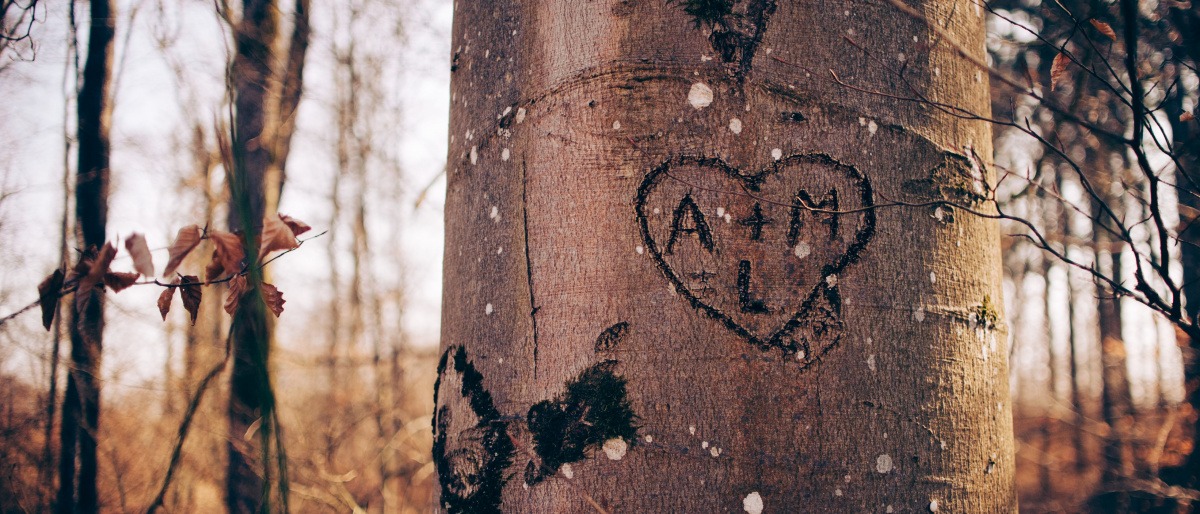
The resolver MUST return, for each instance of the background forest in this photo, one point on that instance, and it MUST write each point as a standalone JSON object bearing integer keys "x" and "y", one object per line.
{"x": 1098, "y": 254}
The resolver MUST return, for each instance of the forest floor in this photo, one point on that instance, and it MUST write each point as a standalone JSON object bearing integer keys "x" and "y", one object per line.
{"x": 1051, "y": 477}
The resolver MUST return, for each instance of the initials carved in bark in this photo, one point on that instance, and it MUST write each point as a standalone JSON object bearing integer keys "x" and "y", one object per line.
{"x": 760, "y": 251}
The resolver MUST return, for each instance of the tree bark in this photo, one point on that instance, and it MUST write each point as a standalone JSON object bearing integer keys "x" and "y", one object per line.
{"x": 671, "y": 285}
{"x": 81, "y": 405}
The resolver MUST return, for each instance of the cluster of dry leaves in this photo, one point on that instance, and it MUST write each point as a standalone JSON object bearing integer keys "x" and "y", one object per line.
{"x": 228, "y": 265}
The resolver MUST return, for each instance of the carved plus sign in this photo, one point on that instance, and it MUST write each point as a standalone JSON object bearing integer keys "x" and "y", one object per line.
{"x": 755, "y": 221}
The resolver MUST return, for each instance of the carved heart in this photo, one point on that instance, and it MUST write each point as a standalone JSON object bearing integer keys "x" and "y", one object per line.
{"x": 760, "y": 252}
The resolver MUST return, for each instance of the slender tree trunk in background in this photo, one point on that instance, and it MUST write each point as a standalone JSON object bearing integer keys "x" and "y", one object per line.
{"x": 251, "y": 403}
{"x": 1077, "y": 407}
{"x": 667, "y": 289}
{"x": 81, "y": 406}
{"x": 1187, "y": 147}
{"x": 1116, "y": 403}
{"x": 1052, "y": 394}
{"x": 290, "y": 89}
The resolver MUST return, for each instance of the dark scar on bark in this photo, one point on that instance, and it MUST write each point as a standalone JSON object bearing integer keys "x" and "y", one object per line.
{"x": 472, "y": 478}
{"x": 593, "y": 409}
{"x": 793, "y": 116}
{"x": 611, "y": 336}
{"x": 735, "y": 35}
{"x": 819, "y": 312}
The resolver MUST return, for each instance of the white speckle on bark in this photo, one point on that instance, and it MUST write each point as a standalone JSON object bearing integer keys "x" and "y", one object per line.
{"x": 495, "y": 214}
{"x": 914, "y": 39}
{"x": 692, "y": 430}
{"x": 932, "y": 277}
{"x": 847, "y": 13}
{"x": 831, "y": 280}
{"x": 846, "y": 479}
{"x": 720, "y": 212}
{"x": 488, "y": 309}
{"x": 505, "y": 154}
{"x": 735, "y": 125}
{"x": 616, "y": 125}
{"x": 889, "y": 509}
{"x": 978, "y": 76}
{"x": 837, "y": 492}
{"x": 505, "y": 113}
{"x": 937, "y": 72}
{"x": 500, "y": 360}
{"x": 753, "y": 503}
{"x": 657, "y": 210}
{"x": 615, "y": 448}
{"x": 499, "y": 250}
{"x": 728, "y": 219}
{"x": 802, "y": 250}
{"x": 883, "y": 463}
{"x": 520, "y": 115}
{"x": 704, "y": 444}
{"x": 568, "y": 471}
{"x": 933, "y": 506}
{"x": 776, "y": 153}
{"x": 639, "y": 249}
{"x": 700, "y": 96}
{"x": 801, "y": 354}
{"x": 862, "y": 121}
{"x": 768, "y": 51}
{"x": 649, "y": 438}
{"x": 705, "y": 58}
{"x": 872, "y": 127}
{"x": 919, "y": 314}
{"x": 714, "y": 451}
{"x": 871, "y": 362}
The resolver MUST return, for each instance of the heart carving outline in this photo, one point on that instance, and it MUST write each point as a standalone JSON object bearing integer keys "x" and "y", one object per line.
{"x": 823, "y": 300}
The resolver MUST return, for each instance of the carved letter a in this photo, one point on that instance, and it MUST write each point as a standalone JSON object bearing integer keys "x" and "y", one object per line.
{"x": 688, "y": 209}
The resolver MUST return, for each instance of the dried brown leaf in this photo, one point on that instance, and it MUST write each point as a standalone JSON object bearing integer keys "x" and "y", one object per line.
{"x": 276, "y": 235}
{"x": 164, "y": 301}
{"x": 119, "y": 280}
{"x": 191, "y": 294}
{"x": 273, "y": 298}
{"x": 1058, "y": 68}
{"x": 1105, "y": 29}
{"x": 227, "y": 252}
{"x": 48, "y": 295}
{"x": 97, "y": 268}
{"x": 237, "y": 288}
{"x": 143, "y": 262}
{"x": 298, "y": 227}
{"x": 214, "y": 268}
{"x": 185, "y": 241}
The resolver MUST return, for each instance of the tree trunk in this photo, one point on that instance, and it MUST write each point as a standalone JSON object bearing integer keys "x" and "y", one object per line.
{"x": 671, "y": 285}
{"x": 1116, "y": 403}
{"x": 250, "y": 398}
{"x": 81, "y": 405}
{"x": 1187, "y": 149}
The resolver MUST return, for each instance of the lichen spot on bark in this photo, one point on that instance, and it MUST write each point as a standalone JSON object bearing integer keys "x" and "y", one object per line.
{"x": 700, "y": 96}
{"x": 883, "y": 464}
{"x": 753, "y": 503}
{"x": 615, "y": 448}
